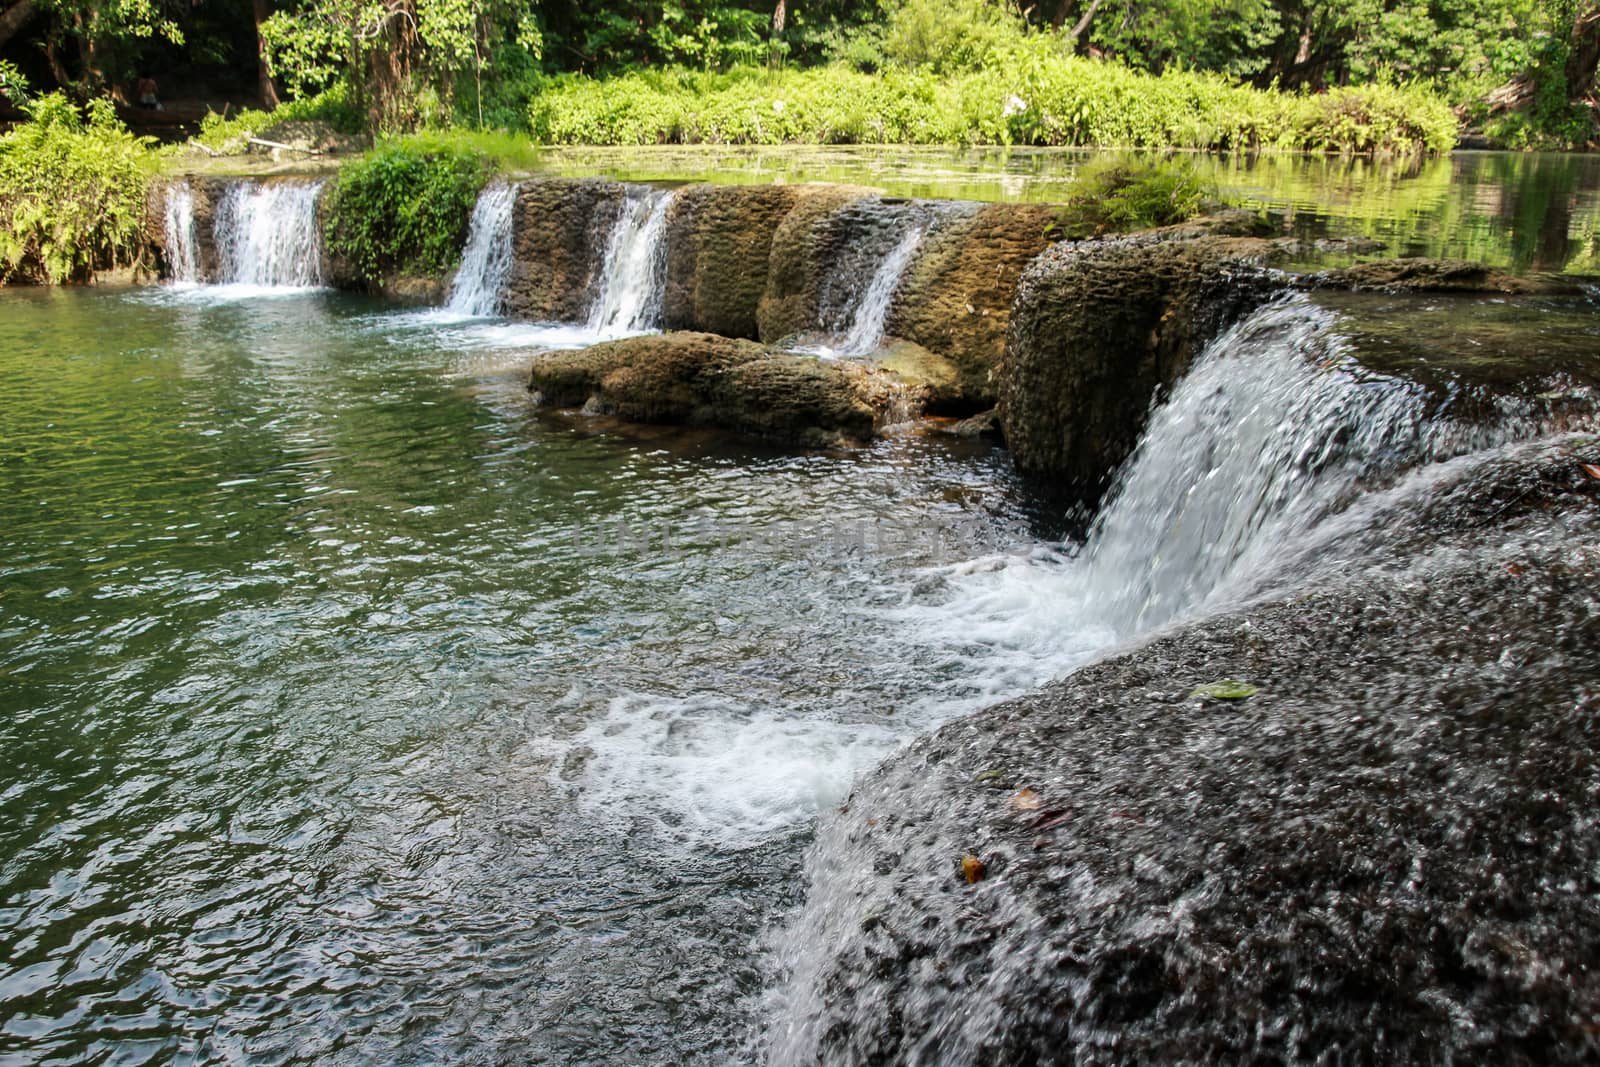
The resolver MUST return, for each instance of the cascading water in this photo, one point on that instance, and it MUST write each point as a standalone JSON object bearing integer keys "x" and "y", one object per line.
{"x": 630, "y": 294}
{"x": 869, "y": 317}
{"x": 183, "y": 259}
{"x": 1256, "y": 459}
{"x": 486, "y": 261}
{"x": 267, "y": 234}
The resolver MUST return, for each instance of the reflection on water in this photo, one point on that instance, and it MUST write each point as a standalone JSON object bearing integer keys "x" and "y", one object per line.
{"x": 1519, "y": 210}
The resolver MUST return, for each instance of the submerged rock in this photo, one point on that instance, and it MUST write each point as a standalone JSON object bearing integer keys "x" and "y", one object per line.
{"x": 558, "y": 246}
{"x": 701, "y": 379}
{"x": 1390, "y": 852}
{"x": 1100, "y": 329}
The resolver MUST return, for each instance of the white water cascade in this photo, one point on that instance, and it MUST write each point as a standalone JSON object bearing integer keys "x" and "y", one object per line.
{"x": 183, "y": 258}
{"x": 869, "y": 317}
{"x": 486, "y": 261}
{"x": 267, "y": 234}
{"x": 630, "y": 294}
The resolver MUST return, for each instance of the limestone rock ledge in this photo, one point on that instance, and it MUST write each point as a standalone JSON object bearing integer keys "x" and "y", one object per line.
{"x": 702, "y": 379}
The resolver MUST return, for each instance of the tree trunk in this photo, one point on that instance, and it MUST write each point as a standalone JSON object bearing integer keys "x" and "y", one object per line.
{"x": 1082, "y": 25}
{"x": 264, "y": 87}
{"x": 1584, "y": 54}
{"x": 14, "y": 18}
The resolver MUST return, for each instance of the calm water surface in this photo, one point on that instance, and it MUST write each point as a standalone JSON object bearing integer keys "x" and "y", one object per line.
{"x": 329, "y": 735}
{"x": 1524, "y": 211}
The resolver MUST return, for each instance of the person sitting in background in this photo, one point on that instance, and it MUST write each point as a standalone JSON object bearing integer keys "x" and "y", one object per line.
{"x": 147, "y": 94}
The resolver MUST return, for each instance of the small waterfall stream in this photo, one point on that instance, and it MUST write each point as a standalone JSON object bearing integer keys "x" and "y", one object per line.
{"x": 869, "y": 317}
{"x": 267, "y": 234}
{"x": 183, "y": 258}
{"x": 486, "y": 261}
{"x": 630, "y": 295}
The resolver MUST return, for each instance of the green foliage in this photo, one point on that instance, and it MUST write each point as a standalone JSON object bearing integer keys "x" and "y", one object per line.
{"x": 947, "y": 36}
{"x": 1123, "y": 195}
{"x": 404, "y": 207}
{"x": 332, "y": 107}
{"x": 71, "y": 193}
{"x": 13, "y": 86}
{"x": 1034, "y": 97}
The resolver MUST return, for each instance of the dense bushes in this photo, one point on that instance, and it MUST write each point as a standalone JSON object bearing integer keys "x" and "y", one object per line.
{"x": 404, "y": 207}
{"x": 1033, "y": 98}
{"x": 71, "y": 193}
{"x": 222, "y": 133}
{"x": 1120, "y": 195}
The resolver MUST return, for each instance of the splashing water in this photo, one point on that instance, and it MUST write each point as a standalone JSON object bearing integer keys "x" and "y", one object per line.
{"x": 630, "y": 295}
{"x": 183, "y": 260}
{"x": 486, "y": 261}
{"x": 267, "y": 234}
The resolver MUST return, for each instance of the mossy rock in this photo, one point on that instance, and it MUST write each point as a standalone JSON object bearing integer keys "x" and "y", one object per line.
{"x": 559, "y": 227}
{"x": 1102, "y": 328}
{"x": 804, "y": 248}
{"x": 956, "y": 296}
{"x": 701, "y": 379}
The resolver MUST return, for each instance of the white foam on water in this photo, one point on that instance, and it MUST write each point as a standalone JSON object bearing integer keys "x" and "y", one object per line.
{"x": 709, "y": 768}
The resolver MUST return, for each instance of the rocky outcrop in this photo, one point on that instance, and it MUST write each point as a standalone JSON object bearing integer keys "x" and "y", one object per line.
{"x": 701, "y": 379}
{"x": 205, "y": 193}
{"x": 558, "y": 233}
{"x": 801, "y": 249}
{"x": 956, "y": 297}
{"x": 1102, "y": 328}
{"x": 719, "y": 240}
{"x": 1382, "y": 850}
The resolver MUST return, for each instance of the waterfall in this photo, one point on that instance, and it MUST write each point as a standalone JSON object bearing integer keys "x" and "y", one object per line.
{"x": 267, "y": 234}
{"x": 486, "y": 261}
{"x": 630, "y": 294}
{"x": 1275, "y": 429}
{"x": 868, "y": 317}
{"x": 183, "y": 259}
{"x": 1275, "y": 447}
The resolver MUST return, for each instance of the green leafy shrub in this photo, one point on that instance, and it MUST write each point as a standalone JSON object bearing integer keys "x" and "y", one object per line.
{"x": 1123, "y": 195}
{"x": 1031, "y": 95}
{"x": 404, "y": 207}
{"x": 332, "y": 107}
{"x": 71, "y": 193}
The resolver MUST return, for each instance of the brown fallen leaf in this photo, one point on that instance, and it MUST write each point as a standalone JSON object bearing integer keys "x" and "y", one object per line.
{"x": 1514, "y": 569}
{"x": 973, "y": 869}
{"x": 1025, "y": 800}
{"x": 1591, "y": 470}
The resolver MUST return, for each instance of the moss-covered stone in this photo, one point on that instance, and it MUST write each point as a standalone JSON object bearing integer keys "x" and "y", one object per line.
{"x": 812, "y": 255}
{"x": 700, "y": 379}
{"x": 718, "y": 242}
{"x": 1099, "y": 330}
{"x": 558, "y": 244}
{"x": 955, "y": 298}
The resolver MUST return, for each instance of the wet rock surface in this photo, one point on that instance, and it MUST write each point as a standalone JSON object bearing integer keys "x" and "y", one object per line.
{"x": 559, "y": 228}
{"x": 719, "y": 241}
{"x": 956, "y": 297}
{"x": 1101, "y": 329}
{"x": 1422, "y": 275}
{"x": 205, "y": 194}
{"x": 1390, "y": 852}
{"x": 802, "y": 248}
{"x": 701, "y": 379}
